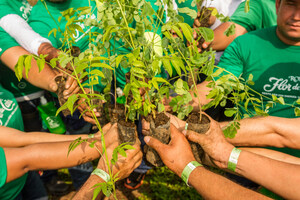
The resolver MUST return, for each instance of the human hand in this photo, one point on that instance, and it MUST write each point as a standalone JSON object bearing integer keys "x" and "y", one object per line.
{"x": 85, "y": 110}
{"x": 71, "y": 87}
{"x": 124, "y": 165}
{"x": 213, "y": 143}
{"x": 178, "y": 123}
{"x": 177, "y": 154}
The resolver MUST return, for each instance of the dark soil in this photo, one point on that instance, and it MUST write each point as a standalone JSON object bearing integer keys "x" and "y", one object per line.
{"x": 203, "y": 22}
{"x": 61, "y": 82}
{"x": 159, "y": 129}
{"x": 116, "y": 113}
{"x": 127, "y": 131}
{"x": 199, "y": 127}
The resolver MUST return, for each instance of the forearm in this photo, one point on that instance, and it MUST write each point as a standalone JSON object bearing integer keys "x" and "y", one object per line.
{"x": 47, "y": 156}
{"x": 268, "y": 131}
{"x": 221, "y": 41}
{"x": 87, "y": 190}
{"x": 21, "y": 139}
{"x": 207, "y": 183}
{"x": 279, "y": 177}
{"x": 41, "y": 79}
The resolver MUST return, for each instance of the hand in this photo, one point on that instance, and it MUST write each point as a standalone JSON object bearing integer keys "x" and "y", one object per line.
{"x": 213, "y": 143}
{"x": 124, "y": 165}
{"x": 71, "y": 87}
{"x": 178, "y": 123}
{"x": 177, "y": 154}
{"x": 85, "y": 109}
{"x": 111, "y": 134}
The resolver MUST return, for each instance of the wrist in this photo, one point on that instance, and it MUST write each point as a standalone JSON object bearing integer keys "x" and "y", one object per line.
{"x": 225, "y": 155}
{"x": 48, "y": 49}
{"x": 187, "y": 171}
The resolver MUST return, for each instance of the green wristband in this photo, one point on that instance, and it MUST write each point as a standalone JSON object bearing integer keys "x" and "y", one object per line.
{"x": 233, "y": 159}
{"x": 188, "y": 170}
{"x": 186, "y": 126}
{"x": 102, "y": 174}
{"x": 91, "y": 135}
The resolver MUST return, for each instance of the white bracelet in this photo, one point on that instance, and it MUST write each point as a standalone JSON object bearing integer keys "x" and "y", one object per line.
{"x": 102, "y": 174}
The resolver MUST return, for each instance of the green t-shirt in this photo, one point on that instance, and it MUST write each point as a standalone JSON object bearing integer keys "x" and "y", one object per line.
{"x": 275, "y": 67}
{"x": 10, "y": 116}
{"x": 188, "y": 3}
{"x": 262, "y": 14}
{"x": 7, "y": 76}
{"x": 42, "y": 23}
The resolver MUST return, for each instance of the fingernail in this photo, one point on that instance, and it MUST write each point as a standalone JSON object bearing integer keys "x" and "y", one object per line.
{"x": 184, "y": 132}
{"x": 67, "y": 86}
{"x": 147, "y": 139}
{"x": 66, "y": 93}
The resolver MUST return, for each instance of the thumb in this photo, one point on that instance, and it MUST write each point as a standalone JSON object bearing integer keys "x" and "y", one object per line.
{"x": 195, "y": 137}
{"x": 205, "y": 44}
{"x": 53, "y": 86}
{"x": 155, "y": 144}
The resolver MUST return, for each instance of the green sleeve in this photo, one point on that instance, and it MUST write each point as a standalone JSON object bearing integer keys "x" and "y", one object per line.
{"x": 3, "y": 168}
{"x": 6, "y": 42}
{"x": 5, "y": 9}
{"x": 232, "y": 60}
{"x": 253, "y": 19}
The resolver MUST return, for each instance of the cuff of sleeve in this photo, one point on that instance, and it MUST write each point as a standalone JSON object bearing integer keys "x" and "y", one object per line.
{"x": 35, "y": 45}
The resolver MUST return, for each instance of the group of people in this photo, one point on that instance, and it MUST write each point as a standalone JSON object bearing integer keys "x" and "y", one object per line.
{"x": 267, "y": 47}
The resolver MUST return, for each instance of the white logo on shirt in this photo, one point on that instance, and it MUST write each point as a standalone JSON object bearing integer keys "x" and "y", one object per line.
{"x": 25, "y": 9}
{"x": 289, "y": 84}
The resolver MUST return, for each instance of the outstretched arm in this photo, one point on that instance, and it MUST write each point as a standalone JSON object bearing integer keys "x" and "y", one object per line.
{"x": 21, "y": 139}
{"x": 268, "y": 131}
{"x": 204, "y": 181}
{"x": 52, "y": 155}
{"x": 260, "y": 169}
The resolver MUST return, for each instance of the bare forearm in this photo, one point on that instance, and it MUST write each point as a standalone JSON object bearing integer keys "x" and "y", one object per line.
{"x": 87, "y": 190}
{"x": 221, "y": 41}
{"x": 268, "y": 131}
{"x": 21, "y": 139}
{"x": 41, "y": 79}
{"x": 213, "y": 186}
{"x": 47, "y": 156}
{"x": 279, "y": 177}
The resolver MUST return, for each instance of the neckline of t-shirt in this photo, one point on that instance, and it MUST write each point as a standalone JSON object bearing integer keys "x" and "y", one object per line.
{"x": 282, "y": 44}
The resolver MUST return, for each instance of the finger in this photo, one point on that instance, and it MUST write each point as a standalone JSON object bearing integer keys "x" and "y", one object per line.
{"x": 89, "y": 120}
{"x": 70, "y": 81}
{"x": 155, "y": 144}
{"x": 106, "y": 127}
{"x": 205, "y": 45}
{"x": 176, "y": 136}
{"x": 74, "y": 89}
{"x": 53, "y": 86}
{"x": 195, "y": 137}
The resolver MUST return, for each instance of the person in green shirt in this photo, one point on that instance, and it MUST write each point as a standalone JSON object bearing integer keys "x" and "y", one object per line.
{"x": 271, "y": 56}
{"x": 262, "y": 14}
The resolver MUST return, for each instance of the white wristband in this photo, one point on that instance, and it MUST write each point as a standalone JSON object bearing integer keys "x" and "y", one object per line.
{"x": 102, "y": 174}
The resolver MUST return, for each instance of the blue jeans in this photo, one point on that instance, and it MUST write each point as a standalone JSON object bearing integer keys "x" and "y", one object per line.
{"x": 33, "y": 189}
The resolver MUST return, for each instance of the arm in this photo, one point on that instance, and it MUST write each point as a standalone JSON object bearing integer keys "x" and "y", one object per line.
{"x": 262, "y": 170}
{"x": 123, "y": 167}
{"x": 21, "y": 139}
{"x": 268, "y": 131}
{"x": 52, "y": 155}
{"x": 10, "y": 58}
{"x": 204, "y": 181}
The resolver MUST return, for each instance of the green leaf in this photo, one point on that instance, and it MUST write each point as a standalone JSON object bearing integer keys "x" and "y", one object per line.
{"x": 206, "y": 33}
{"x": 27, "y": 63}
{"x": 97, "y": 72}
{"x": 176, "y": 66}
{"x": 168, "y": 67}
{"x": 247, "y": 6}
{"x": 102, "y": 65}
{"x": 71, "y": 101}
{"x": 19, "y": 67}
{"x": 190, "y": 12}
{"x": 177, "y": 31}
{"x": 187, "y": 31}
{"x": 41, "y": 64}
{"x": 230, "y": 30}
{"x": 119, "y": 59}
{"x": 229, "y": 112}
{"x": 297, "y": 111}
{"x": 298, "y": 101}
